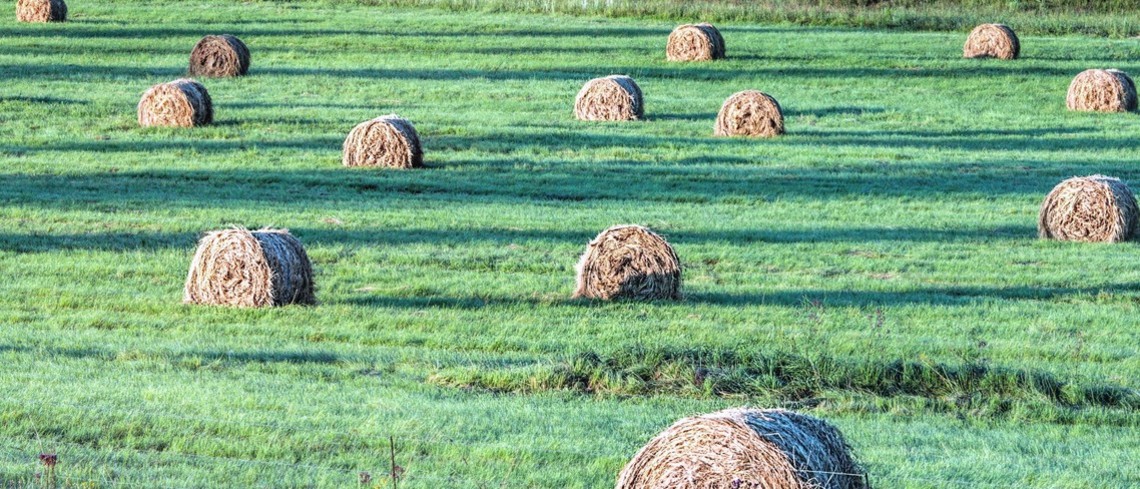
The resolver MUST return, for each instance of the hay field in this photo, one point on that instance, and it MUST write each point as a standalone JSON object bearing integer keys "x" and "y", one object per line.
{"x": 877, "y": 266}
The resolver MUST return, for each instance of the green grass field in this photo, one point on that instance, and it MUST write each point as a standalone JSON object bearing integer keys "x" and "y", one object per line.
{"x": 877, "y": 267}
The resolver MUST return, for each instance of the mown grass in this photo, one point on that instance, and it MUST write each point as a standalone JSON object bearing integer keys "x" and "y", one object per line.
{"x": 884, "y": 252}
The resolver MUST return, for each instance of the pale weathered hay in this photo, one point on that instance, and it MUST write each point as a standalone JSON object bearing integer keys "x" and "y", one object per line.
{"x": 41, "y": 11}
{"x": 1102, "y": 91}
{"x": 745, "y": 449}
{"x": 750, "y": 113}
{"x": 236, "y": 267}
{"x": 992, "y": 41}
{"x": 1094, "y": 208}
{"x": 180, "y": 103}
{"x": 219, "y": 56}
{"x": 629, "y": 262}
{"x": 389, "y": 141}
{"x": 695, "y": 42}
{"x": 613, "y": 98}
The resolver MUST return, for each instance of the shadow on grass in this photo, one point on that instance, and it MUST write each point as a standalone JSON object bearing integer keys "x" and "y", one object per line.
{"x": 136, "y": 241}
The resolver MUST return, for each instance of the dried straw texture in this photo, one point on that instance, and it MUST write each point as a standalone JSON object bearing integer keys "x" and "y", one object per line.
{"x": 750, "y": 113}
{"x": 236, "y": 267}
{"x": 629, "y": 262}
{"x": 1095, "y": 208}
{"x": 745, "y": 448}
{"x": 613, "y": 98}
{"x": 992, "y": 41}
{"x": 1102, "y": 91}
{"x": 41, "y": 11}
{"x": 180, "y": 103}
{"x": 387, "y": 141}
{"x": 695, "y": 42}
{"x": 219, "y": 56}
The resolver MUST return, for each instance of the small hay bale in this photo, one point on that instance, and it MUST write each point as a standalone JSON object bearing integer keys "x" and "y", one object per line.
{"x": 695, "y": 42}
{"x": 237, "y": 267}
{"x": 388, "y": 141}
{"x": 747, "y": 449}
{"x": 613, "y": 98}
{"x": 219, "y": 56}
{"x": 1095, "y": 208}
{"x": 1102, "y": 91}
{"x": 180, "y": 103}
{"x": 629, "y": 262}
{"x": 992, "y": 41}
{"x": 750, "y": 113}
{"x": 41, "y": 11}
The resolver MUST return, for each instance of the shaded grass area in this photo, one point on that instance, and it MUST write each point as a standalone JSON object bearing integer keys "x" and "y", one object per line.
{"x": 812, "y": 380}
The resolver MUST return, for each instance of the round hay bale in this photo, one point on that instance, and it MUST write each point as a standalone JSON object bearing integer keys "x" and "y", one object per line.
{"x": 219, "y": 56}
{"x": 745, "y": 448}
{"x": 180, "y": 103}
{"x": 992, "y": 41}
{"x": 629, "y": 262}
{"x": 1102, "y": 91}
{"x": 1095, "y": 208}
{"x": 41, "y": 11}
{"x": 750, "y": 113}
{"x": 613, "y": 98}
{"x": 237, "y": 267}
{"x": 389, "y": 141}
{"x": 695, "y": 42}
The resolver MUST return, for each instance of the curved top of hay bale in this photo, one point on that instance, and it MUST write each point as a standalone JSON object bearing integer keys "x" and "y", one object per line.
{"x": 219, "y": 56}
{"x": 745, "y": 448}
{"x": 41, "y": 11}
{"x": 992, "y": 41}
{"x": 238, "y": 267}
{"x": 612, "y": 98}
{"x": 1102, "y": 91}
{"x": 629, "y": 262}
{"x": 388, "y": 141}
{"x": 1090, "y": 209}
{"x": 750, "y": 113}
{"x": 695, "y": 42}
{"x": 180, "y": 103}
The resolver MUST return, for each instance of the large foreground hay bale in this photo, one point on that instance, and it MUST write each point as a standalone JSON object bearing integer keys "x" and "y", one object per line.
{"x": 237, "y": 267}
{"x": 629, "y": 262}
{"x": 1094, "y": 208}
{"x": 750, "y": 113}
{"x": 613, "y": 98}
{"x": 695, "y": 42}
{"x": 219, "y": 56}
{"x": 745, "y": 449}
{"x": 992, "y": 41}
{"x": 41, "y": 11}
{"x": 1102, "y": 91}
{"x": 180, "y": 103}
{"x": 388, "y": 141}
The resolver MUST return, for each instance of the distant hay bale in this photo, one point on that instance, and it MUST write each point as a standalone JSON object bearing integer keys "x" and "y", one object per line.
{"x": 41, "y": 11}
{"x": 695, "y": 42}
{"x": 180, "y": 103}
{"x": 219, "y": 56}
{"x": 992, "y": 41}
{"x": 1102, "y": 91}
{"x": 1095, "y": 208}
{"x": 745, "y": 449}
{"x": 388, "y": 141}
{"x": 613, "y": 98}
{"x": 237, "y": 267}
{"x": 750, "y": 113}
{"x": 629, "y": 262}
